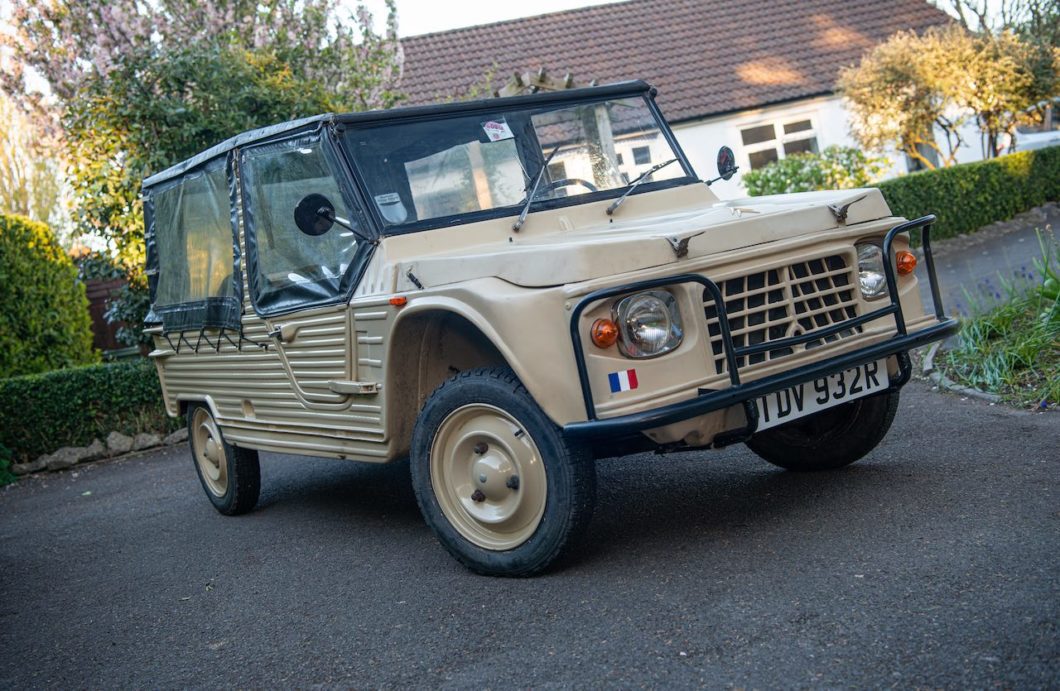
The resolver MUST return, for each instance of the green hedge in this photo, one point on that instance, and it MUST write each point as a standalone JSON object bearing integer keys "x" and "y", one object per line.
{"x": 44, "y": 321}
{"x": 40, "y": 413}
{"x": 969, "y": 196}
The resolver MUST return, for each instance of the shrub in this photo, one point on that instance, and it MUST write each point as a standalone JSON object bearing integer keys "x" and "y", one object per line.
{"x": 40, "y": 413}
{"x": 835, "y": 168}
{"x": 6, "y": 476}
{"x": 100, "y": 266}
{"x": 44, "y": 320}
{"x": 128, "y": 307}
{"x": 972, "y": 195}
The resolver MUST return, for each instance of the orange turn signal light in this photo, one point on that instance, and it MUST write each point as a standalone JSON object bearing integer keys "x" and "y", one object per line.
{"x": 906, "y": 261}
{"x": 398, "y": 301}
{"x": 604, "y": 333}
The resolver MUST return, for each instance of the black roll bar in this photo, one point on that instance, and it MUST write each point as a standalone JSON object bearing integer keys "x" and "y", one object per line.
{"x": 737, "y": 393}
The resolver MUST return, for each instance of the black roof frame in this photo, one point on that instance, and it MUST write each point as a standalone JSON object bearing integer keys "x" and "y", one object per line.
{"x": 628, "y": 88}
{"x": 596, "y": 93}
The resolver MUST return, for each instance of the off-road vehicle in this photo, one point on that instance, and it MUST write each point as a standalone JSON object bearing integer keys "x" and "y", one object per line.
{"x": 504, "y": 290}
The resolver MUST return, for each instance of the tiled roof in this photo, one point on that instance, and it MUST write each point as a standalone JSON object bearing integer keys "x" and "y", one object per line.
{"x": 705, "y": 56}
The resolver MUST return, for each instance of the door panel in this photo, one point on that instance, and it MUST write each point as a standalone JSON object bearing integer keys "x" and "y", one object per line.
{"x": 315, "y": 350}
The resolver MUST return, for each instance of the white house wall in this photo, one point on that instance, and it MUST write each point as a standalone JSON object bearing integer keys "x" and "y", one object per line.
{"x": 701, "y": 139}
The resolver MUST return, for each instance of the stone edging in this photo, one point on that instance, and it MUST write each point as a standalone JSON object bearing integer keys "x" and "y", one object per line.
{"x": 116, "y": 445}
{"x": 943, "y": 382}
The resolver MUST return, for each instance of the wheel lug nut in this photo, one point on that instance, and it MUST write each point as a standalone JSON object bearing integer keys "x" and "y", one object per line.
{"x": 482, "y": 478}
{"x": 512, "y": 483}
{"x": 478, "y": 496}
{"x": 481, "y": 448}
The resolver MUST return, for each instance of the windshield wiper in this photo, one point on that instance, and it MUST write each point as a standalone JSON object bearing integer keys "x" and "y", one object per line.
{"x": 633, "y": 185}
{"x": 533, "y": 192}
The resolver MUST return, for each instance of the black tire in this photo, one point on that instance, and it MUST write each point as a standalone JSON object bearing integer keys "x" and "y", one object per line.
{"x": 568, "y": 476}
{"x": 239, "y": 467}
{"x": 830, "y": 439}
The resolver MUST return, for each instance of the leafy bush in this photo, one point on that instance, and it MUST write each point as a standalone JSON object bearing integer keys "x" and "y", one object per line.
{"x": 98, "y": 265}
{"x": 44, "y": 320}
{"x": 835, "y": 168}
{"x": 972, "y": 195}
{"x": 129, "y": 304}
{"x": 42, "y": 412}
{"x": 129, "y": 307}
{"x": 6, "y": 476}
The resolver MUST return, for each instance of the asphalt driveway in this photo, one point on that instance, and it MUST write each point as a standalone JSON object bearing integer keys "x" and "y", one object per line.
{"x": 932, "y": 563}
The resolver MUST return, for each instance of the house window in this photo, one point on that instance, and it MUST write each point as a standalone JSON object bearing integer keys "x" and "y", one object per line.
{"x": 773, "y": 141}
{"x": 619, "y": 157}
{"x": 641, "y": 155}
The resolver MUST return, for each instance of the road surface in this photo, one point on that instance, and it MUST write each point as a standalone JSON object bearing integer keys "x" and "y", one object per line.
{"x": 931, "y": 563}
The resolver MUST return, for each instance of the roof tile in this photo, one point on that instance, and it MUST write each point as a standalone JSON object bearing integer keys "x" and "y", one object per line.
{"x": 705, "y": 56}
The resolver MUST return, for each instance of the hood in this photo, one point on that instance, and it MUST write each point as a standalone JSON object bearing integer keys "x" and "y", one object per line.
{"x": 588, "y": 245}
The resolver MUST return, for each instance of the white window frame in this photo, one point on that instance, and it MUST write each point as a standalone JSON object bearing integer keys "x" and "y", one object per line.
{"x": 780, "y": 139}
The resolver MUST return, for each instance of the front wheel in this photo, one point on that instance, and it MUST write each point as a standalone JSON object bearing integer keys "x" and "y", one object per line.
{"x": 495, "y": 479}
{"x": 230, "y": 475}
{"x": 829, "y": 439}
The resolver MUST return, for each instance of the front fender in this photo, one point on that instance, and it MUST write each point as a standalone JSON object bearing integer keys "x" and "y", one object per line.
{"x": 528, "y": 326}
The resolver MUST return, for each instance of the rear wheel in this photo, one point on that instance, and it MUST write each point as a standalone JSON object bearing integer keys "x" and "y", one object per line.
{"x": 496, "y": 481}
{"x": 830, "y": 439}
{"x": 230, "y": 475}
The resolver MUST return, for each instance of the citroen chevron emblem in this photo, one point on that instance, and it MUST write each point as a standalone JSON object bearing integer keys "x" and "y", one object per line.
{"x": 680, "y": 245}
{"x": 840, "y": 212}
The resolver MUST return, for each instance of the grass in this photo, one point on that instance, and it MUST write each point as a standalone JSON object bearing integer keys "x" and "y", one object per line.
{"x": 1013, "y": 349}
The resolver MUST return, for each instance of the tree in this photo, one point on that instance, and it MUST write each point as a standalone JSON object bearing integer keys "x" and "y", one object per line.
{"x": 1037, "y": 21}
{"x": 30, "y": 175}
{"x": 1006, "y": 78}
{"x": 898, "y": 96}
{"x": 137, "y": 86}
{"x": 912, "y": 85}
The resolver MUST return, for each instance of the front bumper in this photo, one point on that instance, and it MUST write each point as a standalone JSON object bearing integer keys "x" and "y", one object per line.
{"x": 739, "y": 393}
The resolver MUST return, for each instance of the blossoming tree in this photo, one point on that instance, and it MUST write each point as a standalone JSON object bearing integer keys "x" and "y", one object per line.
{"x": 134, "y": 86}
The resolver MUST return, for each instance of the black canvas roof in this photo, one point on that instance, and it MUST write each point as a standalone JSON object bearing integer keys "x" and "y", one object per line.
{"x": 407, "y": 112}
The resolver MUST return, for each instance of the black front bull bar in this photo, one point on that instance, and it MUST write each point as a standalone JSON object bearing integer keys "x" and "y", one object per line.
{"x": 708, "y": 401}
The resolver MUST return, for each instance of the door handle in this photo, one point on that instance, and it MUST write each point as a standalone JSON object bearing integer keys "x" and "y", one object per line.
{"x": 284, "y": 333}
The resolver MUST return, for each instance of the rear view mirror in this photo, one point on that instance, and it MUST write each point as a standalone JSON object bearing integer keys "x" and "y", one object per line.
{"x": 726, "y": 163}
{"x": 314, "y": 215}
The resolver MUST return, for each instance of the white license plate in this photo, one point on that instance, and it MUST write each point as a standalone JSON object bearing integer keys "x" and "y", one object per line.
{"x": 814, "y": 396}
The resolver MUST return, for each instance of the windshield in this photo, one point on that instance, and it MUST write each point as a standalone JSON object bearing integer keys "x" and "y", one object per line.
{"x": 428, "y": 170}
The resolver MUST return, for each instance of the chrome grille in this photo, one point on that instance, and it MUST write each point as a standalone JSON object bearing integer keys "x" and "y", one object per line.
{"x": 782, "y": 302}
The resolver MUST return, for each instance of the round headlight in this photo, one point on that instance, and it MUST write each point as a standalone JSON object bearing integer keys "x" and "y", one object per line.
{"x": 649, "y": 324}
{"x": 871, "y": 277}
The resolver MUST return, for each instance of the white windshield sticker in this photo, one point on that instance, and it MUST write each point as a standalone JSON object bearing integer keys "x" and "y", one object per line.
{"x": 497, "y": 130}
{"x": 391, "y": 207}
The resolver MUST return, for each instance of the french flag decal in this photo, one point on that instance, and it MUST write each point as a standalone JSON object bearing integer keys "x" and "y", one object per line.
{"x": 623, "y": 381}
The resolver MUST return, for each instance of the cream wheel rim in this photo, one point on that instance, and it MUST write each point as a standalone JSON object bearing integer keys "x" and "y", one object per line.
{"x": 488, "y": 476}
{"x": 209, "y": 452}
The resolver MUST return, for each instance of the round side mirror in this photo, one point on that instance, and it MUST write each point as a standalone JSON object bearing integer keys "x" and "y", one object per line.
{"x": 314, "y": 215}
{"x": 726, "y": 163}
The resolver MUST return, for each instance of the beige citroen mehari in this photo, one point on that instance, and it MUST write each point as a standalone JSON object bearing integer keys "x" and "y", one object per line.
{"x": 505, "y": 290}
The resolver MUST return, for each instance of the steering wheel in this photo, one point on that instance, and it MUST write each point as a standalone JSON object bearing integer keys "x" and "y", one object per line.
{"x": 566, "y": 182}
